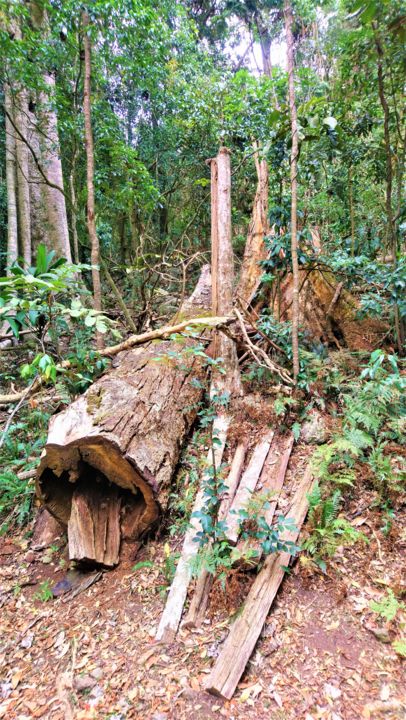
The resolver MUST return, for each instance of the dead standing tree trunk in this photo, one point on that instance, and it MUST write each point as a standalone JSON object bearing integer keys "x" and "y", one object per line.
{"x": 117, "y": 445}
{"x": 230, "y": 383}
{"x": 255, "y": 249}
{"x": 223, "y": 269}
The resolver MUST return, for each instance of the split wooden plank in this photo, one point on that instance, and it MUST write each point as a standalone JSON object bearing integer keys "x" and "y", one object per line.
{"x": 271, "y": 481}
{"x": 233, "y": 479}
{"x": 246, "y": 630}
{"x": 172, "y": 614}
{"x": 247, "y": 486}
{"x": 198, "y": 605}
{"x": 94, "y": 525}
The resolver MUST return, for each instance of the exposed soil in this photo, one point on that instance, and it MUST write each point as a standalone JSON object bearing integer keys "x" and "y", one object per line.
{"x": 322, "y": 654}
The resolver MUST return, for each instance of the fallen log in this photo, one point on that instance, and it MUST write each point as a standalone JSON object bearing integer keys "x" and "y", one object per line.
{"x": 125, "y": 432}
{"x": 246, "y": 630}
{"x": 175, "y": 601}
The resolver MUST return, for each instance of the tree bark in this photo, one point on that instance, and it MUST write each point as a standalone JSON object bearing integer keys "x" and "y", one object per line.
{"x": 50, "y": 153}
{"x": 293, "y": 183}
{"x": 127, "y": 429}
{"x": 91, "y": 217}
{"x": 23, "y": 188}
{"x": 11, "y": 181}
{"x": 223, "y": 270}
{"x": 255, "y": 249}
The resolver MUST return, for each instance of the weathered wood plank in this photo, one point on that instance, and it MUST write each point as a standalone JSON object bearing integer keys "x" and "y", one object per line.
{"x": 271, "y": 481}
{"x": 198, "y": 605}
{"x": 246, "y": 630}
{"x": 247, "y": 486}
{"x": 172, "y": 614}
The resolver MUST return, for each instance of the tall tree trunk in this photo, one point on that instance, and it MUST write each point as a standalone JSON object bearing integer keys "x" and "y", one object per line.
{"x": 391, "y": 229}
{"x": 223, "y": 268}
{"x": 91, "y": 218}
{"x": 293, "y": 183}
{"x": 11, "y": 180}
{"x": 58, "y": 233}
{"x": 74, "y": 210}
{"x": 23, "y": 187}
{"x": 46, "y": 129}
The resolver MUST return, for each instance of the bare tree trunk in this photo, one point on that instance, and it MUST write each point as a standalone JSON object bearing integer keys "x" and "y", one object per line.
{"x": 91, "y": 218}
{"x": 293, "y": 183}
{"x": 255, "y": 249}
{"x": 74, "y": 218}
{"x": 23, "y": 188}
{"x": 223, "y": 267}
{"x": 11, "y": 180}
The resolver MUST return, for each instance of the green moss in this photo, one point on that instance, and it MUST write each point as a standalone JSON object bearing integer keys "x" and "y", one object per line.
{"x": 94, "y": 399}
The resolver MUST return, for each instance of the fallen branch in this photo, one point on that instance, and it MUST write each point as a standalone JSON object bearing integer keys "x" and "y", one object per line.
{"x": 260, "y": 355}
{"x": 132, "y": 341}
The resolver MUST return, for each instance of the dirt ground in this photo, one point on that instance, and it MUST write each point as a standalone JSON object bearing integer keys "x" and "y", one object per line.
{"x": 323, "y": 653}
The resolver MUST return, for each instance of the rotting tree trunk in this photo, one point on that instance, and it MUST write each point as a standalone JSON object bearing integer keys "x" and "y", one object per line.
{"x": 223, "y": 270}
{"x": 126, "y": 431}
{"x": 293, "y": 185}
{"x": 12, "y": 227}
{"x": 91, "y": 211}
{"x": 255, "y": 248}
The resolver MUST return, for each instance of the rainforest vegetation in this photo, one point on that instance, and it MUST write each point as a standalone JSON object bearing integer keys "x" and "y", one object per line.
{"x": 202, "y": 279}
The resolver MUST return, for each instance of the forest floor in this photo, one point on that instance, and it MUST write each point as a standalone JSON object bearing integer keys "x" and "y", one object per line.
{"x": 323, "y": 653}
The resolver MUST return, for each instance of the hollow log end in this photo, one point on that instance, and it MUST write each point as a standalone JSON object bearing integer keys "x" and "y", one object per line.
{"x": 65, "y": 469}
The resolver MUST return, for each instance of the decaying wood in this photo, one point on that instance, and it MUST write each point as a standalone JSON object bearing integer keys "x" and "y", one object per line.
{"x": 197, "y": 608}
{"x": 259, "y": 228}
{"x": 246, "y": 630}
{"x": 247, "y": 486}
{"x": 94, "y": 525}
{"x": 127, "y": 429}
{"x": 131, "y": 342}
{"x": 223, "y": 272}
{"x": 46, "y": 530}
{"x": 270, "y": 483}
{"x": 233, "y": 478}
{"x": 172, "y": 614}
{"x": 329, "y": 312}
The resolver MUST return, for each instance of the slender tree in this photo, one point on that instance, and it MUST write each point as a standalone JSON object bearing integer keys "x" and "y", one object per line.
{"x": 12, "y": 227}
{"x": 91, "y": 217}
{"x": 293, "y": 183}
